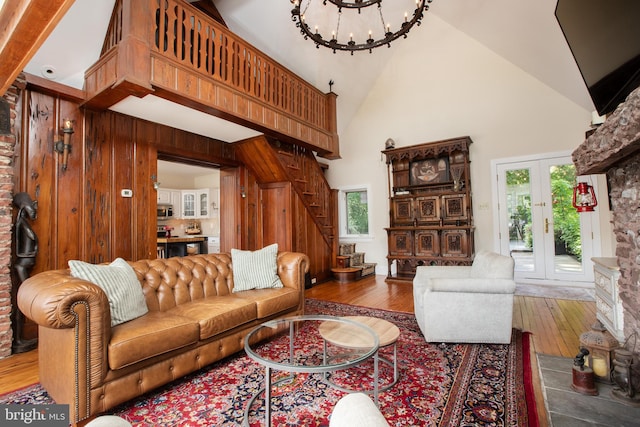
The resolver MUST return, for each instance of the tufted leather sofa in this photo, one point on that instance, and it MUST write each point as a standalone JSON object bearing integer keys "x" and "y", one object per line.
{"x": 194, "y": 319}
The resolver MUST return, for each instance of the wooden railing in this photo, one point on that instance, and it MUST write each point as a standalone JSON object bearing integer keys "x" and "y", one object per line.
{"x": 188, "y": 36}
{"x": 173, "y": 50}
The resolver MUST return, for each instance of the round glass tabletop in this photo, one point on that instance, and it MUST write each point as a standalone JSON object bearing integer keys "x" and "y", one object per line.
{"x": 297, "y": 344}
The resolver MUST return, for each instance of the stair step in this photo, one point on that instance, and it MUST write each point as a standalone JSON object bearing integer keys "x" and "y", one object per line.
{"x": 347, "y": 274}
{"x": 347, "y": 248}
{"x": 285, "y": 153}
{"x": 368, "y": 269}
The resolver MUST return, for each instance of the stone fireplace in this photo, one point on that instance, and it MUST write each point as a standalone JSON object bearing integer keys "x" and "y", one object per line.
{"x": 614, "y": 149}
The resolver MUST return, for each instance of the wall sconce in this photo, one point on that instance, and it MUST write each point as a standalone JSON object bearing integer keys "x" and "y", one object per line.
{"x": 243, "y": 194}
{"x": 156, "y": 184}
{"x": 64, "y": 146}
{"x": 584, "y": 198}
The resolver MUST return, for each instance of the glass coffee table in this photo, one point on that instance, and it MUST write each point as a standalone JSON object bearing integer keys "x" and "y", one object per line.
{"x": 296, "y": 345}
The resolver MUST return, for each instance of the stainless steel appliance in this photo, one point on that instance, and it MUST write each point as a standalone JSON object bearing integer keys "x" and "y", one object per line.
{"x": 165, "y": 211}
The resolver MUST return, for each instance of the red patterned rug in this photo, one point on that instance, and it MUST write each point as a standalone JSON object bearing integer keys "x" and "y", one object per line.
{"x": 439, "y": 385}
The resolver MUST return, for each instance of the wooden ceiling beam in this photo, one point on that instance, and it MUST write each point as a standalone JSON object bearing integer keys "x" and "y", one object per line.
{"x": 25, "y": 25}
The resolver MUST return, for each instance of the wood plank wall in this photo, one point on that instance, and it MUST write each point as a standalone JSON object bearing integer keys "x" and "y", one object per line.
{"x": 82, "y": 214}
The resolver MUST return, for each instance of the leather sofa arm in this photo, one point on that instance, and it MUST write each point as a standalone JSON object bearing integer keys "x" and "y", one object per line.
{"x": 50, "y": 299}
{"x": 292, "y": 267}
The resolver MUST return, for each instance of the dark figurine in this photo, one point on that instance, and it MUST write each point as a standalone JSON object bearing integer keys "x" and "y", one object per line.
{"x": 26, "y": 249}
{"x": 579, "y": 359}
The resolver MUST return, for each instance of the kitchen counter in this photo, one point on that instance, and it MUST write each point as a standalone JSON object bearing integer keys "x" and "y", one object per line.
{"x": 177, "y": 246}
{"x": 185, "y": 239}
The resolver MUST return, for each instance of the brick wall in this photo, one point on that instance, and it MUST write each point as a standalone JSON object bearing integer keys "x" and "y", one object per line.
{"x": 7, "y": 154}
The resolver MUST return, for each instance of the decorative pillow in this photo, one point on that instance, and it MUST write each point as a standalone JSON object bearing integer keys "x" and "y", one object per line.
{"x": 255, "y": 269}
{"x": 119, "y": 282}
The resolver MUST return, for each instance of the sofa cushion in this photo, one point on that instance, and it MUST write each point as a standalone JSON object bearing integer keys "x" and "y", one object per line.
{"x": 217, "y": 314}
{"x": 490, "y": 265}
{"x": 255, "y": 269}
{"x": 119, "y": 282}
{"x": 272, "y": 301}
{"x": 148, "y": 336}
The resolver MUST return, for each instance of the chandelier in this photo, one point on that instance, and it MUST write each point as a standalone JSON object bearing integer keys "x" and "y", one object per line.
{"x": 359, "y": 16}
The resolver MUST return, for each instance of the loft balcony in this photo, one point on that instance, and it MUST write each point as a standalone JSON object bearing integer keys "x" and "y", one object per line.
{"x": 172, "y": 50}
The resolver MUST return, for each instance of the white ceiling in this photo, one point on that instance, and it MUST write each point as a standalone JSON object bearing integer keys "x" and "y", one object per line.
{"x": 523, "y": 32}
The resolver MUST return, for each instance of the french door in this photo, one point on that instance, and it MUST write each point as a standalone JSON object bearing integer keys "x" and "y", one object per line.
{"x": 538, "y": 225}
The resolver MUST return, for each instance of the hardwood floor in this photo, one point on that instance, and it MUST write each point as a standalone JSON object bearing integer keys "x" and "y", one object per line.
{"x": 555, "y": 325}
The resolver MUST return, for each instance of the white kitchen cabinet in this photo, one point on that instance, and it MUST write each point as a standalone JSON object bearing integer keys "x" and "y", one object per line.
{"x": 195, "y": 203}
{"x": 176, "y": 201}
{"x": 164, "y": 196}
{"x": 172, "y": 197}
{"x": 189, "y": 208}
{"x": 204, "y": 208}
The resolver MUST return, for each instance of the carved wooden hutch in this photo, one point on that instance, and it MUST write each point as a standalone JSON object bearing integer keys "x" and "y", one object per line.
{"x": 431, "y": 219}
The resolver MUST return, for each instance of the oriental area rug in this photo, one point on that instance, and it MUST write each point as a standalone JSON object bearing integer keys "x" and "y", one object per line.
{"x": 439, "y": 385}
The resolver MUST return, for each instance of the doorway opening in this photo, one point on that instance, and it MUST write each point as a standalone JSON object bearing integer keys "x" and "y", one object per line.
{"x": 537, "y": 225}
{"x": 193, "y": 193}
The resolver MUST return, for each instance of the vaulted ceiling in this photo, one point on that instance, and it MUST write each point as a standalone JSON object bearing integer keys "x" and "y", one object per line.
{"x": 524, "y": 33}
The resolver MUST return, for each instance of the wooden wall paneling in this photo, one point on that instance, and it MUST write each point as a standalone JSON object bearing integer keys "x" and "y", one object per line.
{"x": 276, "y": 216}
{"x": 38, "y": 171}
{"x": 230, "y": 214}
{"x": 250, "y": 208}
{"x": 97, "y": 186}
{"x": 144, "y": 195}
{"x": 122, "y": 209}
{"x": 68, "y": 188}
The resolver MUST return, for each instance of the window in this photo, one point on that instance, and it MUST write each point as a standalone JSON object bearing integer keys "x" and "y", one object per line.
{"x": 354, "y": 212}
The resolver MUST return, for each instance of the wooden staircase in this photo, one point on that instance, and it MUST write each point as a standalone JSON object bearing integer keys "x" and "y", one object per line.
{"x": 309, "y": 181}
{"x": 274, "y": 161}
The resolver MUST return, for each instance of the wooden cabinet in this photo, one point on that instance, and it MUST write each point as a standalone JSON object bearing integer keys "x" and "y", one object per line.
{"x": 431, "y": 219}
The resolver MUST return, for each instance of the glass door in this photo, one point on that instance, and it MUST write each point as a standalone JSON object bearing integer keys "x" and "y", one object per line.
{"x": 538, "y": 225}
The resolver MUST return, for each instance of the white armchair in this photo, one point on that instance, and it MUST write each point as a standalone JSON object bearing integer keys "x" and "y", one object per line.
{"x": 466, "y": 304}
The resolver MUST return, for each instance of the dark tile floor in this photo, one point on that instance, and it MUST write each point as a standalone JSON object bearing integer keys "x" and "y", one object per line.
{"x": 567, "y": 408}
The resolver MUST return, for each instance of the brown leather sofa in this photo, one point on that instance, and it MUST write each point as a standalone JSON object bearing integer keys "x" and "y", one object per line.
{"x": 193, "y": 320}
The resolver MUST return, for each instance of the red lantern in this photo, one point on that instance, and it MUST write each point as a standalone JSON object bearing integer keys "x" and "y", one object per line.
{"x": 584, "y": 198}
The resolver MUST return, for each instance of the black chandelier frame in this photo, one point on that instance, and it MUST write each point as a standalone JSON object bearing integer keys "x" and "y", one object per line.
{"x": 297, "y": 16}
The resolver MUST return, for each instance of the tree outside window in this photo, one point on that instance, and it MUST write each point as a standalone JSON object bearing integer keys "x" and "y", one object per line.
{"x": 357, "y": 212}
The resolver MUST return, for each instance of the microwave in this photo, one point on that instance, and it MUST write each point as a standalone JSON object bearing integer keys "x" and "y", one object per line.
{"x": 165, "y": 211}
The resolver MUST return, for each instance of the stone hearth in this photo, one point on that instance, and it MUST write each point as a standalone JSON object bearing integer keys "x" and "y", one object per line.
{"x": 614, "y": 149}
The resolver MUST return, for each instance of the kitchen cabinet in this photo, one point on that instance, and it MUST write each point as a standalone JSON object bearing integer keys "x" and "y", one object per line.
{"x": 195, "y": 203}
{"x": 430, "y": 206}
{"x": 172, "y": 197}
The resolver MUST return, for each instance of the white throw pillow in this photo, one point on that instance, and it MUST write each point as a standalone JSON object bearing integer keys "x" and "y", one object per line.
{"x": 119, "y": 282}
{"x": 255, "y": 269}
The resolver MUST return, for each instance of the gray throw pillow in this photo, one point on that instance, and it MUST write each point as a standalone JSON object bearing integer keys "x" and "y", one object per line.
{"x": 119, "y": 281}
{"x": 255, "y": 269}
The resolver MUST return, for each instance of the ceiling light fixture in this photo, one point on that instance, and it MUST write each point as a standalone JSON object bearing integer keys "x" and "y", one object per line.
{"x": 358, "y": 15}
